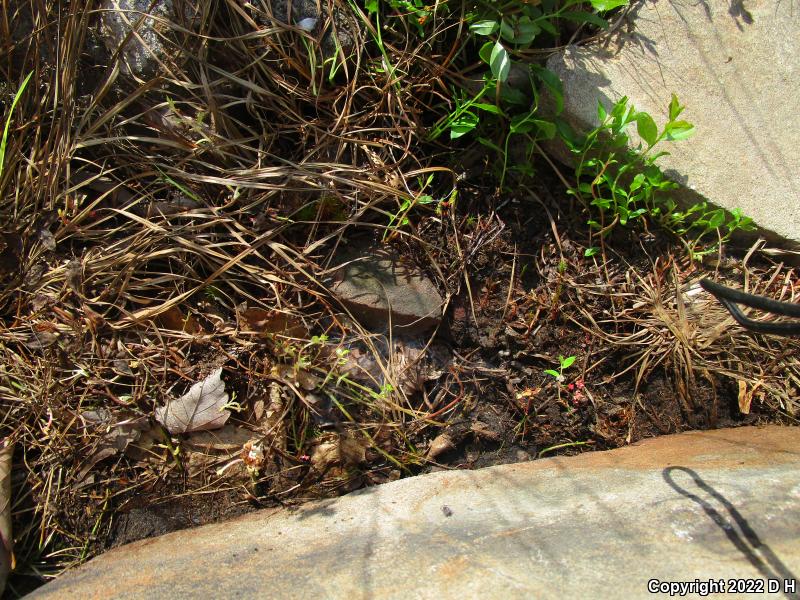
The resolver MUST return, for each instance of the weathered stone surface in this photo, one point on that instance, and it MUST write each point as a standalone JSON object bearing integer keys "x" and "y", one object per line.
{"x": 722, "y": 504}
{"x": 306, "y": 15}
{"x": 379, "y": 288}
{"x": 734, "y": 65}
{"x": 146, "y": 46}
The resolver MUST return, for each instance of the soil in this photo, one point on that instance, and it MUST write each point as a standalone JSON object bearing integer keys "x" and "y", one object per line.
{"x": 510, "y": 411}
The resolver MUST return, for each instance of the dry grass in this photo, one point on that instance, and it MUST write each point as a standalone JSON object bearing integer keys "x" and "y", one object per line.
{"x": 140, "y": 216}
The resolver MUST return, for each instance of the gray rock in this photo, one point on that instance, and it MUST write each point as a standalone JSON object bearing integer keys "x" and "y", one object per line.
{"x": 719, "y": 504}
{"x": 734, "y": 65}
{"x": 379, "y": 287}
{"x": 304, "y": 14}
{"x": 148, "y": 45}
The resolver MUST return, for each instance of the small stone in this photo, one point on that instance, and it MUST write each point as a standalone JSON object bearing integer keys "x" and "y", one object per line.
{"x": 380, "y": 288}
{"x": 305, "y": 15}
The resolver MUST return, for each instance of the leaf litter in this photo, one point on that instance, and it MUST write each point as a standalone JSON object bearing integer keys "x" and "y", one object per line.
{"x": 200, "y": 409}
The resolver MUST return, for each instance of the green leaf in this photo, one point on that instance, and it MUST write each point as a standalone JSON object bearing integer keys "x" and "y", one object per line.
{"x": 620, "y": 110}
{"x": 552, "y": 372}
{"x": 371, "y": 6}
{"x": 492, "y": 108}
{"x": 526, "y": 32}
{"x": 581, "y": 16}
{"x": 486, "y": 52}
{"x": 675, "y": 108}
{"x": 465, "y": 123}
{"x": 679, "y": 130}
{"x": 637, "y": 182}
{"x": 506, "y": 31}
{"x": 568, "y": 134}
{"x": 601, "y": 112}
{"x": 482, "y": 27}
{"x": 499, "y": 62}
{"x": 548, "y": 27}
{"x": 525, "y": 124}
{"x": 567, "y": 362}
{"x": 647, "y": 128}
{"x": 717, "y": 219}
{"x": 591, "y": 251}
{"x": 513, "y": 96}
{"x": 546, "y": 128}
{"x": 604, "y": 5}
{"x": 490, "y": 144}
{"x": 553, "y": 83}
{"x": 522, "y": 124}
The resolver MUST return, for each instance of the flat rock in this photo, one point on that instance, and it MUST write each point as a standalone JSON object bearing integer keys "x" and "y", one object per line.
{"x": 721, "y": 504}
{"x": 735, "y": 66}
{"x": 379, "y": 287}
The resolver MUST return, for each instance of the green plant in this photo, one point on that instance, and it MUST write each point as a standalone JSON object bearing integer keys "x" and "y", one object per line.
{"x": 623, "y": 185}
{"x": 563, "y": 365}
{"x": 14, "y": 102}
{"x": 503, "y": 31}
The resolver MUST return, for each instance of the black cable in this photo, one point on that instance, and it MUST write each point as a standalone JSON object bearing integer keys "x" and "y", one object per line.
{"x": 729, "y": 298}
{"x": 786, "y": 309}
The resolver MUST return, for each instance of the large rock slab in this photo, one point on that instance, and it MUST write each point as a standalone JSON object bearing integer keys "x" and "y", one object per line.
{"x": 380, "y": 288}
{"x": 715, "y": 505}
{"x": 735, "y": 66}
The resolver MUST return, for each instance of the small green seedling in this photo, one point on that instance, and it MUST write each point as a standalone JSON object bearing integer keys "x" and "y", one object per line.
{"x": 564, "y": 364}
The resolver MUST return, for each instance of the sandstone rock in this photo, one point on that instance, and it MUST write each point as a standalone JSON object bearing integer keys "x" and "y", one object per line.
{"x": 707, "y": 504}
{"x": 734, "y": 65}
{"x": 379, "y": 288}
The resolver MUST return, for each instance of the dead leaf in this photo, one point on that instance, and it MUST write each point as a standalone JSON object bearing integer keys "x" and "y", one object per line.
{"x": 482, "y": 430}
{"x": 47, "y": 239}
{"x": 74, "y": 275}
{"x": 94, "y": 319}
{"x": 415, "y": 365}
{"x": 340, "y": 451}
{"x": 361, "y": 367}
{"x": 440, "y": 444}
{"x": 271, "y": 322}
{"x": 746, "y": 397}
{"x": 39, "y": 340}
{"x": 227, "y": 439}
{"x": 201, "y": 408}
{"x": 118, "y": 433}
{"x": 297, "y": 376}
{"x": 84, "y": 476}
{"x": 174, "y": 319}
